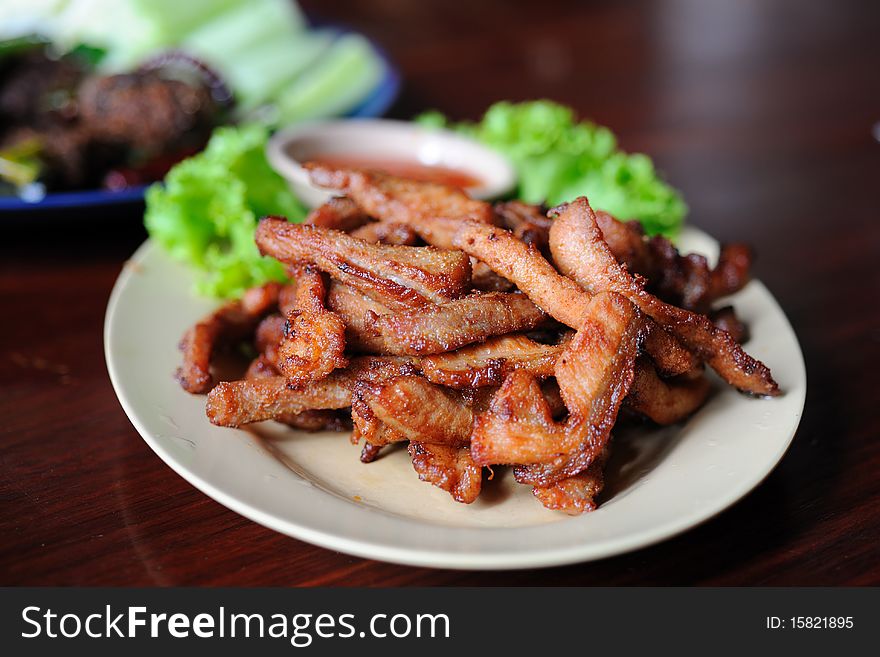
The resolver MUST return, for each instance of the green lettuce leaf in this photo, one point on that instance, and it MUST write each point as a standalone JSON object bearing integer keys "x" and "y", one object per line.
{"x": 206, "y": 211}
{"x": 558, "y": 158}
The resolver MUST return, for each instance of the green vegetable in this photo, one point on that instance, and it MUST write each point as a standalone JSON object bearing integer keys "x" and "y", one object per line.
{"x": 241, "y": 27}
{"x": 21, "y": 44}
{"x": 130, "y": 30}
{"x": 558, "y": 158}
{"x": 20, "y": 163}
{"x": 337, "y": 82}
{"x": 258, "y": 47}
{"x": 280, "y": 62}
{"x": 207, "y": 210}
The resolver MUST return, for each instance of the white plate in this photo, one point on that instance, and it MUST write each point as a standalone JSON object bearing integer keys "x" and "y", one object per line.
{"x": 313, "y": 487}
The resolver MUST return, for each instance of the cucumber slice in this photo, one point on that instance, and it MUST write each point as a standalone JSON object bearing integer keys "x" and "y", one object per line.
{"x": 260, "y": 73}
{"x": 231, "y": 34}
{"x": 336, "y": 84}
{"x": 131, "y": 30}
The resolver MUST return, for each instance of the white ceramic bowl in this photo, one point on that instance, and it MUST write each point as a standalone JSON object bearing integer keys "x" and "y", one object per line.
{"x": 383, "y": 139}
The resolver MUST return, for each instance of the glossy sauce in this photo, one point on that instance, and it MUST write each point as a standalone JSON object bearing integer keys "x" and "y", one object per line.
{"x": 403, "y": 168}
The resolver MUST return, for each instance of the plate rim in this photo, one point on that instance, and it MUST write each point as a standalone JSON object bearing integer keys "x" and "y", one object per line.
{"x": 426, "y": 557}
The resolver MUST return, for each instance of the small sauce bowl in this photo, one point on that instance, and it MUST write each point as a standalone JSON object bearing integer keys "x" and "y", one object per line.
{"x": 398, "y": 147}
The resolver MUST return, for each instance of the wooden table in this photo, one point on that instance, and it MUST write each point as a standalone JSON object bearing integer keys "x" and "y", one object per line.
{"x": 761, "y": 112}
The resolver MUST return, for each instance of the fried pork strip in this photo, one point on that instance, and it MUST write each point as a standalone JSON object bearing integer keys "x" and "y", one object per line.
{"x": 670, "y": 358}
{"x": 486, "y": 280}
{"x": 439, "y": 214}
{"x": 267, "y": 337}
{"x": 725, "y": 318}
{"x": 370, "y": 452}
{"x": 269, "y": 332}
{"x": 373, "y": 432}
{"x": 235, "y": 403}
{"x": 414, "y": 409}
{"x": 444, "y": 216}
{"x": 489, "y": 363}
{"x": 316, "y": 420}
{"x": 313, "y": 344}
{"x": 450, "y": 223}
{"x": 450, "y": 468}
{"x": 581, "y": 253}
{"x": 356, "y": 310}
{"x": 399, "y": 277}
{"x": 431, "y": 210}
{"x": 557, "y": 295}
{"x": 439, "y": 328}
{"x": 594, "y": 377}
{"x": 528, "y": 222}
{"x": 577, "y": 494}
{"x": 665, "y": 401}
{"x": 551, "y": 392}
{"x": 262, "y": 299}
{"x": 518, "y": 427}
{"x": 521, "y": 263}
{"x": 732, "y": 271}
{"x": 404, "y": 201}
{"x": 232, "y": 322}
{"x": 313, "y": 420}
{"x": 287, "y": 297}
{"x": 594, "y": 374}
{"x": 386, "y": 232}
{"x": 339, "y": 213}
{"x": 398, "y": 199}
{"x": 681, "y": 280}
{"x": 261, "y": 367}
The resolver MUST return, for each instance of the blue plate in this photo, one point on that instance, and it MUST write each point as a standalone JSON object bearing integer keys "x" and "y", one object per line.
{"x": 375, "y": 104}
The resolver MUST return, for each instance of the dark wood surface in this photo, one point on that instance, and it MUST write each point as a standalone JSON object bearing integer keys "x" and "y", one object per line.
{"x": 761, "y": 112}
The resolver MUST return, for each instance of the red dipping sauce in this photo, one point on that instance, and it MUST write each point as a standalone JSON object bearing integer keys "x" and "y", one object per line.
{"x": 403, "y": 169}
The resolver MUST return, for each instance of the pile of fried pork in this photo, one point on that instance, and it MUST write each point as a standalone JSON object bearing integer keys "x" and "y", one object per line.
{"x": 477, "y": 335}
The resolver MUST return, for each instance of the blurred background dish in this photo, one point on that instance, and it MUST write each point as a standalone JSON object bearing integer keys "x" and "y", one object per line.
{"x": 98, "y": 99}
